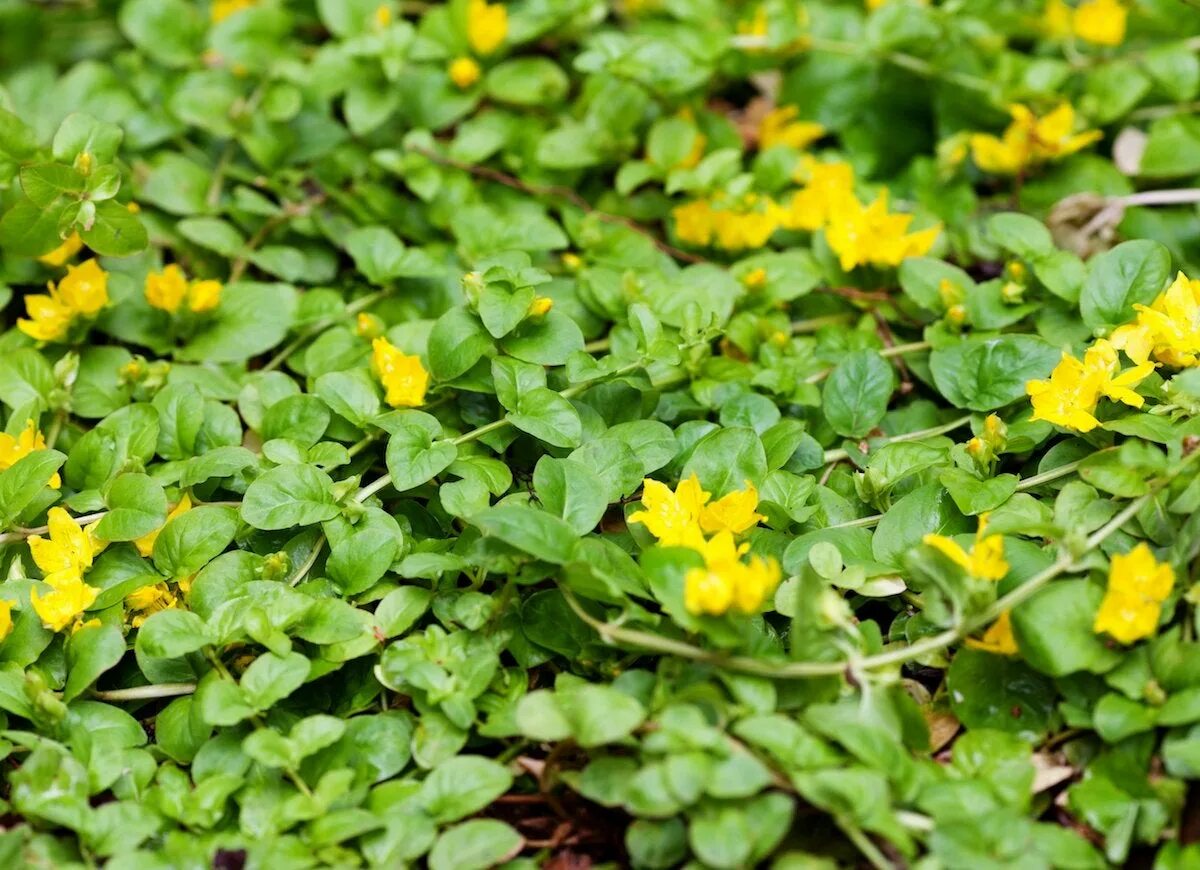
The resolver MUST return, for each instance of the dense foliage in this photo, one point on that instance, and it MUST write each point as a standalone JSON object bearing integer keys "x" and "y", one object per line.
{"x": 658, "y": 432}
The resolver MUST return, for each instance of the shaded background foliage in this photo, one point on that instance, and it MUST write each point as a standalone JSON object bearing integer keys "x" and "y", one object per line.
{"x": 329, "y": 631}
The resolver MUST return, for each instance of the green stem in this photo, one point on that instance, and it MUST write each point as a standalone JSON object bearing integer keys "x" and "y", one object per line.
{"x": 320, "y": 326}
{"x": 886, "y": 353}
{"x": 863, "y": 843}
{"x": 143, "y": 693}
{"x": 840, "y": 454}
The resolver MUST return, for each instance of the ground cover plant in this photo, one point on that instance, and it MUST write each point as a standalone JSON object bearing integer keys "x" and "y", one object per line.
{"x": 562, "y": 433}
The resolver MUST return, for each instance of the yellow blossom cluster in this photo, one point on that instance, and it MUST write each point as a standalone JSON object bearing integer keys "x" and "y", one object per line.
{"x": 1029, "y": 140}
{"x": 403, "y": 376}
{"x": 169, "y": 289}
{"x": 859, "y": 234}
{"x": 1100, "y": 22}
{"x": 14, "y": 449}
{"x": 1168, "y": 329}
{"x": 487, "y": 28}
{"x": 81, "y": 293}
{"x": 686, "y": 517}
{"x": 64, "y": 557}
{"x": 1165, "y": 332}
{"x": 985, "y": 560}
{"x": 1138, "y": 584}
{"x": 1070, "y": 396}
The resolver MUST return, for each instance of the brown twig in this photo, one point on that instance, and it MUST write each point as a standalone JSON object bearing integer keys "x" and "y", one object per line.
{"x": 554, "y": 190}
{"x": 889, "y": 340}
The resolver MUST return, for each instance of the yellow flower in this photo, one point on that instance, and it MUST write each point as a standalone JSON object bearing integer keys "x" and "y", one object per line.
{"x": 49, "y": 319}
{"x": 69, "y": 550}
{"x": 64, "y": 604}
{"x": 1030, "y": 140}
{"x": 779, "y": 127}
{"x": 487, "y": 25}
{"x": 1069, "y": 397}
{"x": 204, "y": 295}
{"x": 755, "y": 278}
{"x": 464, "y": 72}
{"x": 84, "y": 290}
{"x": 694, "y": 222}
{"x": 998, "y": 639}
{"x": 540, "y": 306}
{"x": 750, "y": 226}
{"x": 986, "y": 558}
{"x": 862, "y": 235}
{"x": 64, "y": 252}
{"x": 1127, "y": 618}
{"x": 1139, "y": 573}
{"x": 12, "y": 450}
{"x": 150, "y": 600}
{"x": 725, "y": 581}
{"x": 6, "y": 621}
{"x": 222, "y": 9}
{"x": 672, "y": 517}
{"x": 167, "y": 289}
{"x": 1056, "y": 20}
{"x": 1101, "y": 359}
{"x": 1138, "y": 584}
{"x": 826, "y": 183}
{"x": 145, "y": 544}
{"x": 403, "y": 377}
{"x": 1101, "y": 22}
{"x": 367, "y": 325}
{"x": 735, "y": 512}
{"x": 1168, "y": 328}
{"x": 383, "y": 15}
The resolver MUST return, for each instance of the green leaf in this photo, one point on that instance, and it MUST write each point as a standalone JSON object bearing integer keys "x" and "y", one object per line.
{"x": 462, "y": 786}
{"x": 24, "y": 479}
{"x": 572, "y": 491}
{"x": 115, "y": 231}
{"x": 136, "y": 507}
{"x": 414, "y": 456}
{"x": 1025, "y": 236}
{"x": 172, "y": 633}
{"x": 271, "y": 678}
{"x": 290, "y": 495}
{"x": 457, "y": 341}
{"x": 988, "y": 373}
{"x": 547, "y": 416}
{"x": 1054, "y": 630}
{"x": 541, "y": 535}
{"x": 994, "y": 691}
{"x": 723, "y": 460}
{"x": 593, "y": 714}
{"x": 474, "y": 845}
{"x": 252, "y": 318}
{"x": 79, "y": 133}
{"x": 1132, "y": 272}
{"x": 93, "y": 650}
{"x": 193, "y": 539}
{"x": 170, "y": 31}
{"x": 857, "y": 392}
